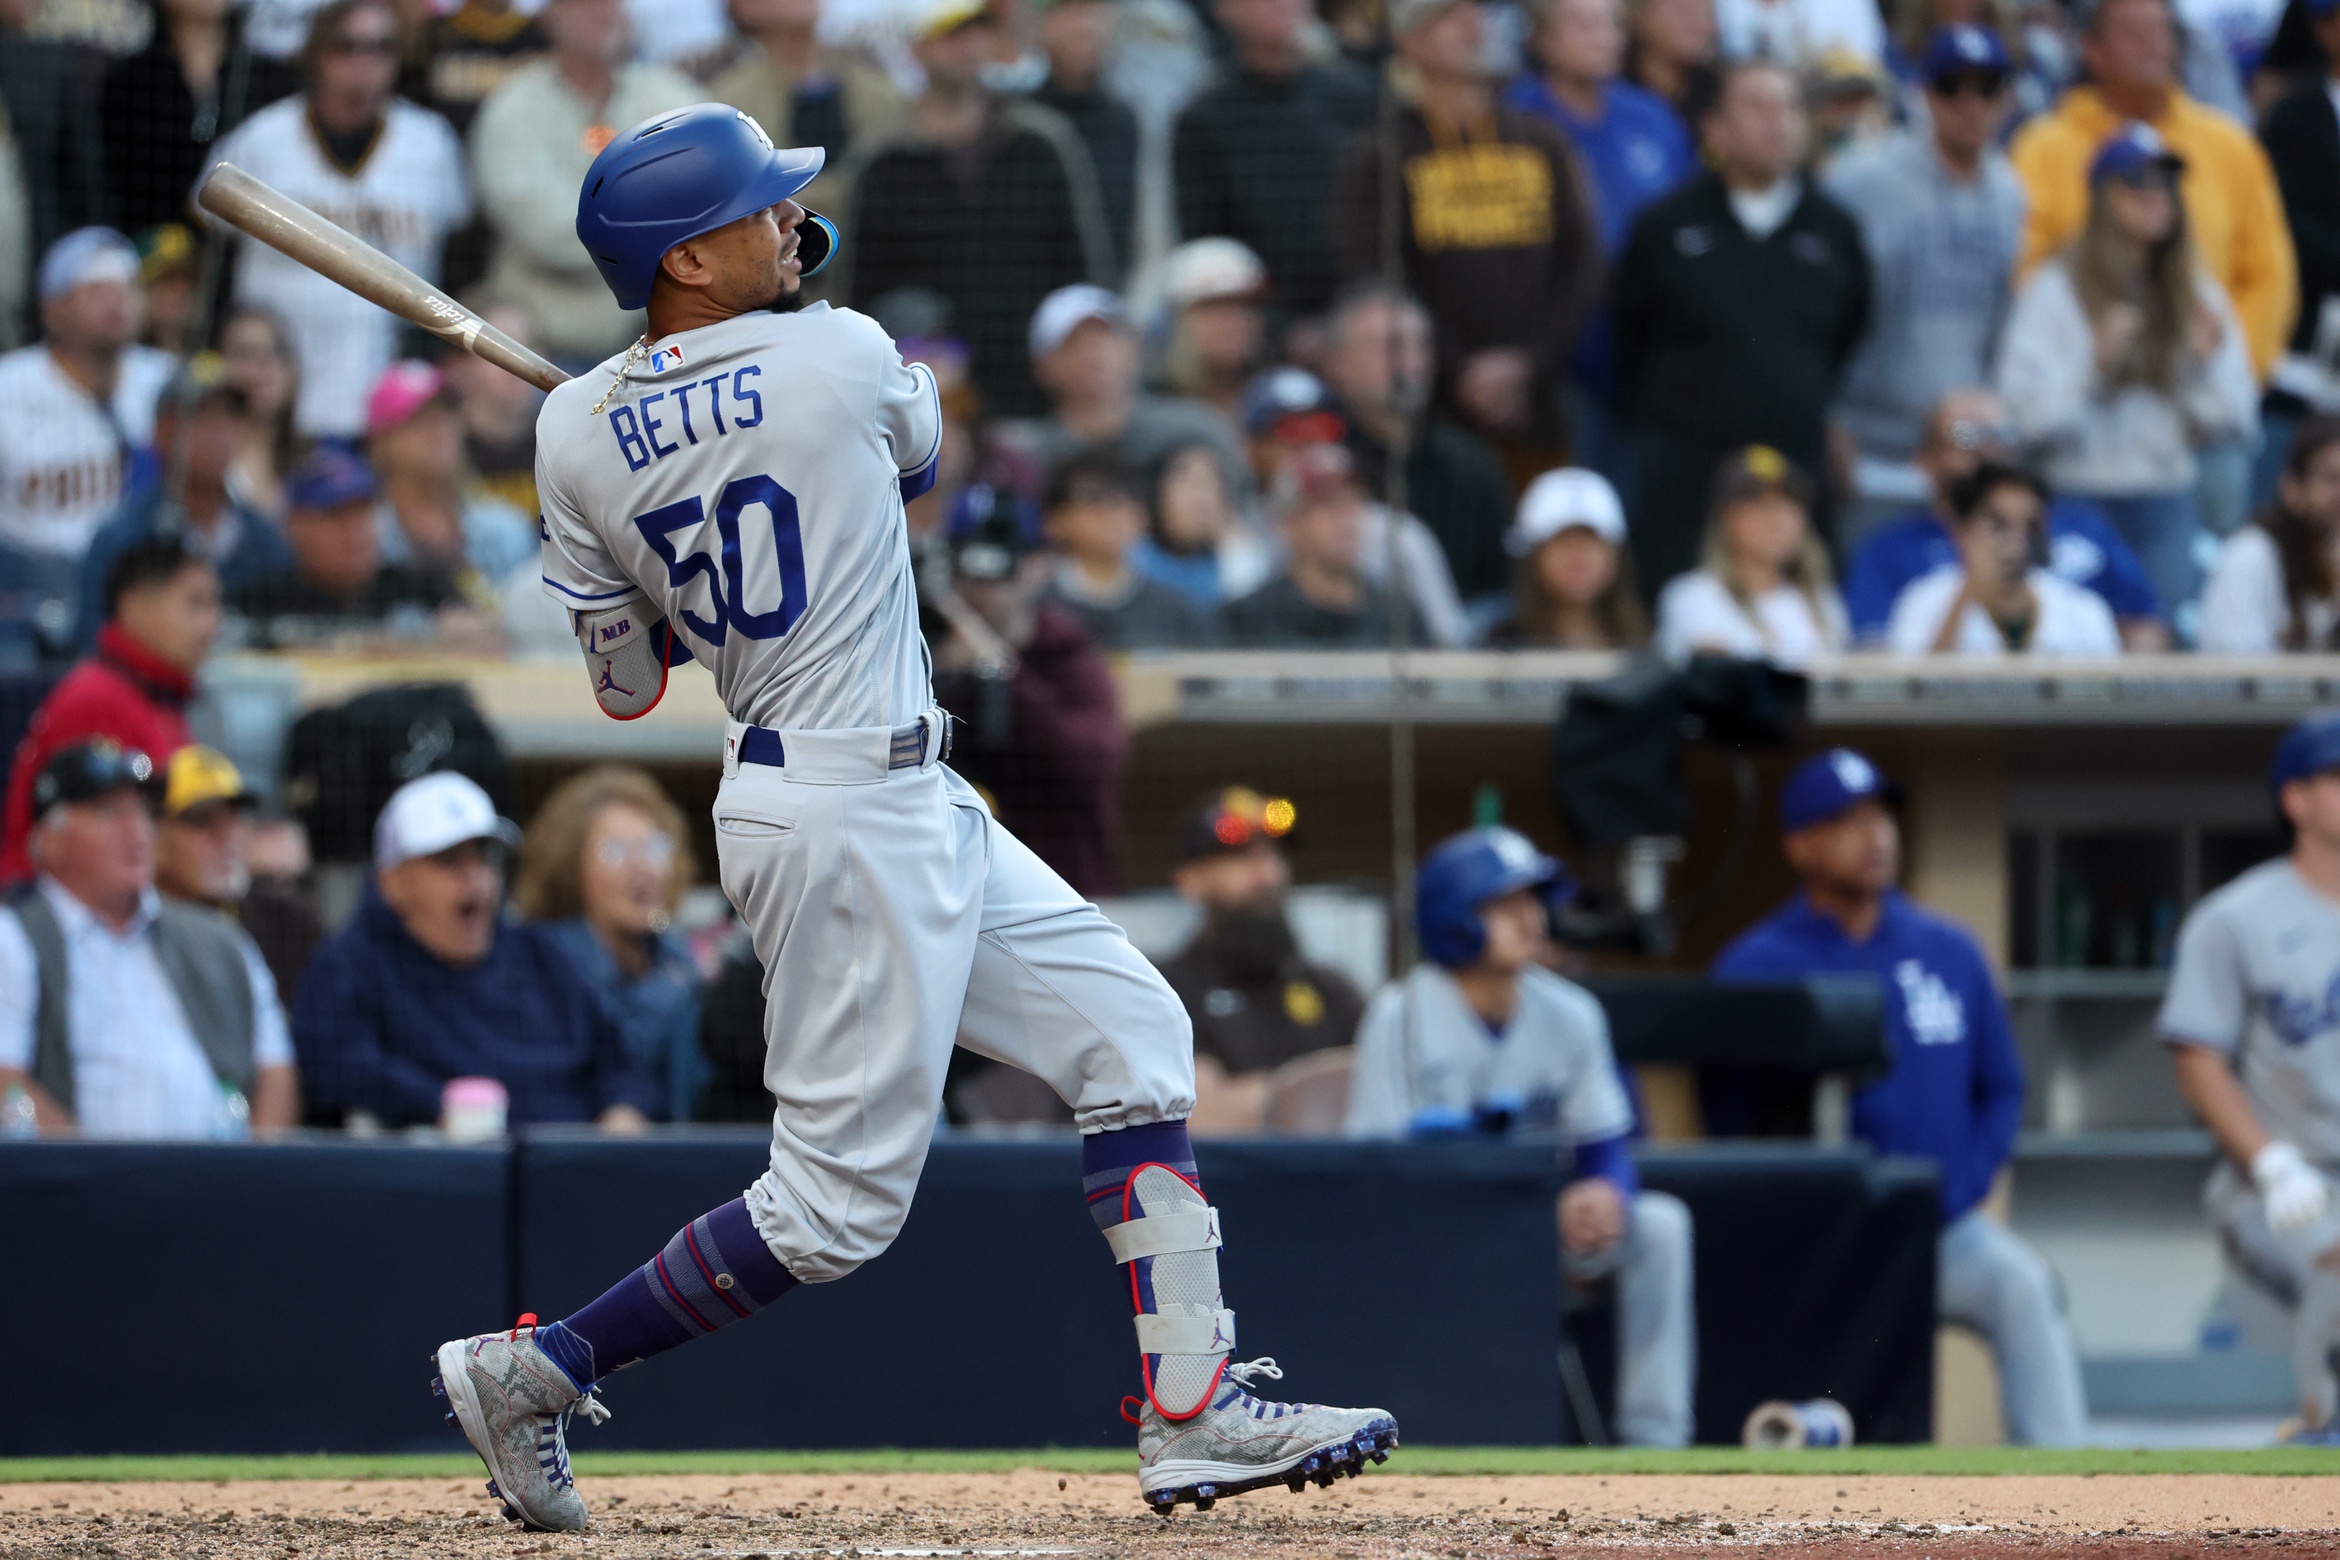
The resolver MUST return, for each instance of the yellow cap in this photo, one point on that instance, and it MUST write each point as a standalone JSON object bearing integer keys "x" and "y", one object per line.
{"x": 196, "y": 775}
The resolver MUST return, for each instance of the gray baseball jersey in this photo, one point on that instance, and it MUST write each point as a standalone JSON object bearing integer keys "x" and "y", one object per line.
{"x": 2258, "y": 976}
{"x": 1422, "y": 1047}
{"x": 745, "y": 480}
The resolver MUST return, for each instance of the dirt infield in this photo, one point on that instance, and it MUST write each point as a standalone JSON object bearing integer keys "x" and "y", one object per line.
{"x": 702, "y": 1517}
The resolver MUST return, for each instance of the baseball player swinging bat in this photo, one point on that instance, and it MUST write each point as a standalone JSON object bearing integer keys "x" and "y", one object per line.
{"x": 730, "y": 489}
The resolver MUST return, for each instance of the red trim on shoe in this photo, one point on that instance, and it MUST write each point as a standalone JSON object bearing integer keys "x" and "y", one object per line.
{"x": 1126, "y": 1414}
{"x": 527, "y": 1320}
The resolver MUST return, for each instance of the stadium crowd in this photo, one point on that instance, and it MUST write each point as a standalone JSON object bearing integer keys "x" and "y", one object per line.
{"x": 1771, "y": 328}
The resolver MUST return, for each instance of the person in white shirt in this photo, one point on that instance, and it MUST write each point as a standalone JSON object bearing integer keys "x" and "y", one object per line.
{"x": 533, "y": 140}
{"x": 385, "y": 169}
{"x": 2000, "y": 598}
{"x": 123, "y": 1015}
{"x": 2276, "y": 585}
{"x": 1764, "y": 589}
{"x": 77, "y": 405}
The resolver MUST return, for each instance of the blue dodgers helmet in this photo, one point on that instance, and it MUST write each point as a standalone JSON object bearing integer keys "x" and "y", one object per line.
{"x": 678, "y": 175}
{"x": 1463, "y": 873}
{"x": 2307, "y": 750}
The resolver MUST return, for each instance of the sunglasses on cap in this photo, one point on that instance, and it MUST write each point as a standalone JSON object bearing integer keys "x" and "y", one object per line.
{"x": 1974, "y": 83}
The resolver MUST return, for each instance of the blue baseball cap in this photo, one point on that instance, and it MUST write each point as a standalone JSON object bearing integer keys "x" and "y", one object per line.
{"x": 2133, "y": 148}
{"x": 2307, "y": 750}
{"x": 1965, "y": 47}
{"x": 332, "y": 475}
{"x": 1830, "y": 785}
{"x": 1285, "y": 392}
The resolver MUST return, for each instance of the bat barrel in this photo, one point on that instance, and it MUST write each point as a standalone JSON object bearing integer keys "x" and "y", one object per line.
{"x": 282, "y": 223}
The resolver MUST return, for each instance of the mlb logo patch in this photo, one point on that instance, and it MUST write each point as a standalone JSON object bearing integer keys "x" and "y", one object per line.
{"x": 665, "y": 358}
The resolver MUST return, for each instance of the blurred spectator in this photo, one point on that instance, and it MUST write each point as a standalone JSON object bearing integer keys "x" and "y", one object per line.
{"x": 1496, "y": 239}
{"x": 258, "y": 356}
{"x": 2039, "y": 48}
{"x": 1322, "y": 598}
{"x": 1636, "y": 149}
{"x": 604, "y": 863}
{"x": 1572, "y": 588}
{"x": 16, "y": 251}
{"x": 278, "y": 907}
{"x": 204, "y": 856}
{"x": 534, "y": 138}
{"x": 1969, "y": 427}
{"x": 170, "y": 272}
{"x": 1479, "y": 1037}
{"x": 498, "y": 413}
{"x": 2302, "y": 137}
{"x": 465, "y": 54}
{"x": 388, "y": 171}
{"x": 161, "y": 109}
{"x": 2276, "y": 585}
{"x": 1255, "y": 154}
{"x": 1256, "y": 1000}
{"x": 1094, "y": 519}
{"x": 337, "y": 581}
{"x": 1763, "y": 588}
{"x": 775, "y": 69}
{"x": 1198, "y": 541}
{"x": 1955, "y": 1092}
{"x": 50, "y": 89}
{"x": 431, "y": 982}
{"x": 1378, "y": 368}
{"x": 974, "y": 162}
{"x": 199, "y": 425}
{"x": 2122, "y": 356}
{"x": 2130, "y": 49}
{"x": 1940, "y": 216}
{"x": 1213, "y": 292}
{"x": 1738, "y": 301}
{"x": 162, "y": 617}
{"x": 2246, "y": 1019}
{"x": 432, "y": 517}
{"x": 1851, "y": 101}
{"x": 1040, "y": 722}
{"x": 1086, "y": 356}
{"x": 732, "y": 1042}
{"x": 125, "y": 1015}
{"x": 1671, "y": 50}
{"x": 1794, "y": 34}
{"x": 1998, "y": 599}
{"x": 1076, "y": 36}
{"x": 78, "y": 405}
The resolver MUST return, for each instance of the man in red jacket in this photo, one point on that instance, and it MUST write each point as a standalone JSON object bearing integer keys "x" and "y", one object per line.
{"x": 162, "y": 614}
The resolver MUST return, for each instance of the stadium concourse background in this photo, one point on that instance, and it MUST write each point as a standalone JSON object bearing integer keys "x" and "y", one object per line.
{"x": 1242, "y": 512}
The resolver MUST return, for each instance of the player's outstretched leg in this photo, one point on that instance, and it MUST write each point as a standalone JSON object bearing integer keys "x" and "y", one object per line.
{"x": 513, "y": 1392}
{"x": 1201, "y": 1434}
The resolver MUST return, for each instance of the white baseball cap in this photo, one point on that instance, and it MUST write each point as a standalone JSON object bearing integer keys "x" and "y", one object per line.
{"x": 1556, "y": 500}
{"x": 1069, "y": 308}
{"x": 1203, "y": 269}
{"x": 436, "y": 813}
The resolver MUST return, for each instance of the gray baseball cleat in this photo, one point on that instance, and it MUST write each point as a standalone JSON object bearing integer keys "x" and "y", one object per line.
{"x": 1242, "y": 1443}
{"x": 513, "y": 1405}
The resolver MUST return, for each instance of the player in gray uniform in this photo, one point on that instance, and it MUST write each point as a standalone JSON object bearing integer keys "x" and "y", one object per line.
{"x": 2253, "y": 1022}
{"x": 1479, "y": 1037}
{"x": 731, "y": 488}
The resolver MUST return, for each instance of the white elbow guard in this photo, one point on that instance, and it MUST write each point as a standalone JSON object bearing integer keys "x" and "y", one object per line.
{"x": 625, "y": 651}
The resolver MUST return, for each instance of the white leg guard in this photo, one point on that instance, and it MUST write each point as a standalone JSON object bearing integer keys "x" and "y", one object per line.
{"x": 1169, "y": 1238}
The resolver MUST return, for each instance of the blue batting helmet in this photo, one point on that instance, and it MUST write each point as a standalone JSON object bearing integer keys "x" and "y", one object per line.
{"x": 678, "y": 175}
{"x": 2307, "y": 750}
{"x": 1463, "y": 873}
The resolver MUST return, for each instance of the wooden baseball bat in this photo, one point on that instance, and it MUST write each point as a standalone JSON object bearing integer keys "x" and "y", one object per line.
{"x": 279, "y": 221}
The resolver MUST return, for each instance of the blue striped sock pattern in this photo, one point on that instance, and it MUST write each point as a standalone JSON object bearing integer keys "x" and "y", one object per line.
{"x": 715, "y": 1271}
{"x": 1107, "y": 1158}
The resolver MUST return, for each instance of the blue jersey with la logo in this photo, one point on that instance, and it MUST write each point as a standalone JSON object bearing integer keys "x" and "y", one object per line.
{"x": 1955, "y": 1094}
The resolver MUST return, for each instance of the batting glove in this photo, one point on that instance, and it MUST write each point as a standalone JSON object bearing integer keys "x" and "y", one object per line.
{"x": 2294, "y": 1191}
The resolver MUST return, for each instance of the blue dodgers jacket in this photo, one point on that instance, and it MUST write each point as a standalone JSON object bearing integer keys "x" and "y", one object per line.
{"x": 1955, "y": 1094}
{"x": 381, "y": 1024}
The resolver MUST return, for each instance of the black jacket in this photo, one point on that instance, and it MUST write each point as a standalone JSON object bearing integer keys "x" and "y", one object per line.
{"x": 2302, "y": 135}
{"x": 1457, "y": 487}
{"x": 158, "y": 137}
{"x": 1110, "y": 132}
{"x": 1727, "y": 339}
{"x": 1255, "y": 159}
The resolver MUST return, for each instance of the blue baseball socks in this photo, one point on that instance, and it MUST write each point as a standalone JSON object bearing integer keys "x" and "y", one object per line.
{"x": 716, "y": 1271}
